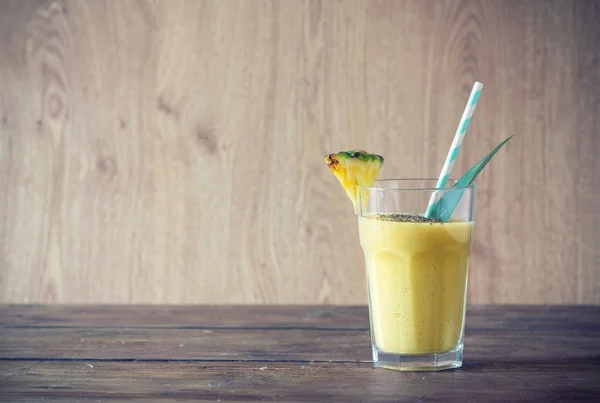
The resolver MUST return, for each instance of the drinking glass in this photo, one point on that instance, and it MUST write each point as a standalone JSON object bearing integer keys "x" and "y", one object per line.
{"x": 416, "y": 273}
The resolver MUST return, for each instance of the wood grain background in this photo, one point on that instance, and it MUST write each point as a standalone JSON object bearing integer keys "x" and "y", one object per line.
{"x": 172, "y": 151}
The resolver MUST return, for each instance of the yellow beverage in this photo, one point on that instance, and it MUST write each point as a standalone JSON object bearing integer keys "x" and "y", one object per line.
{"x": 417, "y": 278}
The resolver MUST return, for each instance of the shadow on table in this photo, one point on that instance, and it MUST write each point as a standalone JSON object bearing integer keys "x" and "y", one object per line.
{"x": 532, "y": 364}
{"x": 566, "y": 379}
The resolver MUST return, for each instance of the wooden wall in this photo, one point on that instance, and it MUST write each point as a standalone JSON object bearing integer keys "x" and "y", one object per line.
{"x": 172, "y": 151}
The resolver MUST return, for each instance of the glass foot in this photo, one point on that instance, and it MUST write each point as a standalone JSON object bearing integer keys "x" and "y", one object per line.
{"x": 418, "y": 362}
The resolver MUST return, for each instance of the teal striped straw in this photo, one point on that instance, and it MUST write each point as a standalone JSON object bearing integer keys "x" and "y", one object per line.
{"x": 455, "y": 147}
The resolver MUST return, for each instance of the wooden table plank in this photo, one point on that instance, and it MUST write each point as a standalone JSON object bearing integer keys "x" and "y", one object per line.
{"x": 273, "y": 345}
{"x": 185, "y": 344}
{"x": 252, "y": 316}
{"x": 300, "y": 382}
{"x": 520, "y": 317}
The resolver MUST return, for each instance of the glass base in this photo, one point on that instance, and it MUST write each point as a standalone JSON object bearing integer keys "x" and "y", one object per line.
{"x": 418, "y": 362}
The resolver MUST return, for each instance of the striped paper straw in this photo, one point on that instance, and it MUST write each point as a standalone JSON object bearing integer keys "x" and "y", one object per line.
{"x": 455, "y": 147}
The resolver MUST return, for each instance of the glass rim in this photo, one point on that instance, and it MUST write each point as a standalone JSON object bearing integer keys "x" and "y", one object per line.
{"x": 431, "y": 189}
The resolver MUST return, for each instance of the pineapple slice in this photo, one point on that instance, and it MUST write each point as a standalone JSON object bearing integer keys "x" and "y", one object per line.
{"x": 354, "y": 168}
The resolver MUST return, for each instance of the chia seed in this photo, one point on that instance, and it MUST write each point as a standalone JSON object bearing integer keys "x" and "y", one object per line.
{"x": 413, "y": 218}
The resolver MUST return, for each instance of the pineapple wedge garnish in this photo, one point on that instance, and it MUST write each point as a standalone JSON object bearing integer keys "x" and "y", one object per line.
{"x": 354, "y": 168}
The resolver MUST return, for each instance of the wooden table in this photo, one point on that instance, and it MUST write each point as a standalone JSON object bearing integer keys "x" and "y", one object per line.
{"x": 304, "y": 354}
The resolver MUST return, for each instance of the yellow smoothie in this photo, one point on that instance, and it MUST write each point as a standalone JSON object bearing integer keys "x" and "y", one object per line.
{"x": 417, "y": 279}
